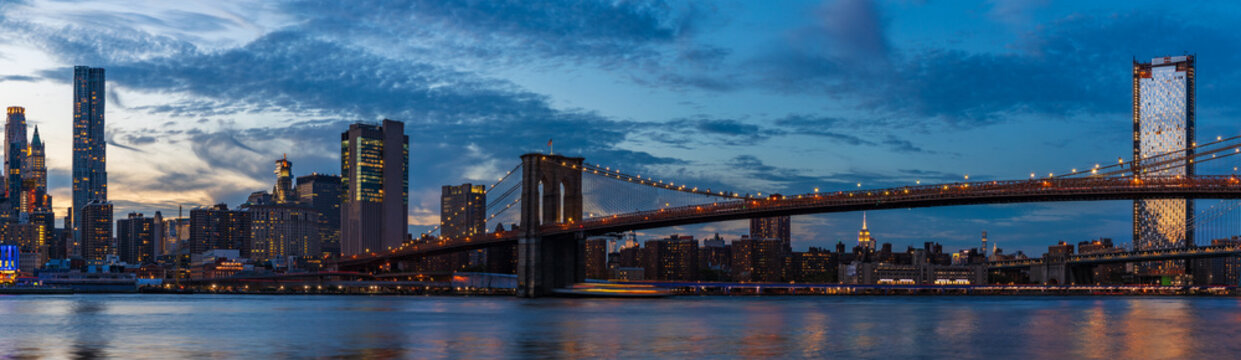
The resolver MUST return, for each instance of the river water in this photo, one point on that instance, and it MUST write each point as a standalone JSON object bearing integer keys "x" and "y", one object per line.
{"x": 276, "y": 327}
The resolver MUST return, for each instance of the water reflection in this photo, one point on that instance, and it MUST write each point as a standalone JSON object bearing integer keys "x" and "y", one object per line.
{"x": 144, "y": 326}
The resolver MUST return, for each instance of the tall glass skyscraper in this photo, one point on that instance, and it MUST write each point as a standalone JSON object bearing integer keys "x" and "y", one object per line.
{"x": 1163, "y": 127}
{"x": 14, "y": 156}
{"x": 374, "y": 164}
{"x": 90, "y": 175}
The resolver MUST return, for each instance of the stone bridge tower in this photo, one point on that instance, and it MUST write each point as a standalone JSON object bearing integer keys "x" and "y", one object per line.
{"x": 551, "y": 193}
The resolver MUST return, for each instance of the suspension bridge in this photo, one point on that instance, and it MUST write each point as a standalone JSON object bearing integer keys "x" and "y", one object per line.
{"x": 563, "y": 200}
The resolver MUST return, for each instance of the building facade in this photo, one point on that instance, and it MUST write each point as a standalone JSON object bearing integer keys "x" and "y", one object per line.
{"x": 217, "y": 227}
{"x": 463, "y": 211}
{"x": 283, "y": 192}
{"x": 280, "y": 231}
{"x": 674, "y": 258}
{"x": 96, "y": 231}
{"x": 597, "y": 258}
{"x": 779, "y": 227}
{"x": 90, "y": 176}
{"x": 34, "y": 178}
{"x": 322, "y": 193}
{"x": 135, "y": 238}
{"x": 1163, "y": 128}
{"x": 375, "y": 180}
{"x": 15, "y": 152}
{"x": 757, "y": 260}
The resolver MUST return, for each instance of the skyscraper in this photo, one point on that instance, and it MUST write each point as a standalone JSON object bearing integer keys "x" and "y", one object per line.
{"x": 863, "y": 237}
{"x": 322, "y": 192}
{"x": 777, "y": 227}
{"x": 1163, "y": 128}
{"x": 34, "y": 174}
{"x": 14, "y": 156}
{"x": 90, "y": 176}
{"x": 374, "y": 162}
{"x": 282, "y": 193}
{"x": 463, "y": 211}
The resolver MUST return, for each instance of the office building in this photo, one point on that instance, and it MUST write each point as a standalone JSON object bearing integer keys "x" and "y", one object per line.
{"x": 375, "y": 180}
{"x": 1163, "y": 127}
{"x": 281, "y": 231}
{"x": 322, "y": 193}
{"x": 135, "y": 237}
{"x": 217, "y": 227}
{"x": 463, "y": 211}
{"x": 96, "y": 231}
{"x": 778, "y": 227}
{"x": 283, "y": 192}
{"x": 90, "y": 176}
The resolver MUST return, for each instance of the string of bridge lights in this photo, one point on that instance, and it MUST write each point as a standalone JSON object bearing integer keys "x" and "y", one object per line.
{"x": 608, "y": 172}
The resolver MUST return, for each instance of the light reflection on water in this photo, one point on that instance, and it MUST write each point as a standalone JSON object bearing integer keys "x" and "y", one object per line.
{"x": 222, "y": 326}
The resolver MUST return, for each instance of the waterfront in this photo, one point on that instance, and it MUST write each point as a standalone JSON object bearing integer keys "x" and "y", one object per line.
{"x": 259, "y": 326}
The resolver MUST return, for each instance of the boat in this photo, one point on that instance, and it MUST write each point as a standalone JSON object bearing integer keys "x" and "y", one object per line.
{"x": 611, "y": 290}
{"x": 91, "y": 282}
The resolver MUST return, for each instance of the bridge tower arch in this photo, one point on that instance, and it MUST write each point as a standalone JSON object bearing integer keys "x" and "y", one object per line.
{"x": 551, "y": 193}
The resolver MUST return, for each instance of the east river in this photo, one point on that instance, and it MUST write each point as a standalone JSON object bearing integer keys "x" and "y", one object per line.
{"x": 277, "y": 327}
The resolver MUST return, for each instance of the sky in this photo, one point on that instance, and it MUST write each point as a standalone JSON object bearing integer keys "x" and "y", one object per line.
{"x": 753, "y": 96}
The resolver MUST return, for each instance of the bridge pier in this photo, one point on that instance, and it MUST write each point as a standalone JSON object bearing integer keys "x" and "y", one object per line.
{"x": 549, "y": 263}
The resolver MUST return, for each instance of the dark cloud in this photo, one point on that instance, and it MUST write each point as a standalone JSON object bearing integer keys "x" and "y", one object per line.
{"x": 610, "y": 32}
{"x": 826, "y": 127}
{"x": 904, "y": 146}
{"x": 24, "y": 78}
{"x": 1077, "y": 65}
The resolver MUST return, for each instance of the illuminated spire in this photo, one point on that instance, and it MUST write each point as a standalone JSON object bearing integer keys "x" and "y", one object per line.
{"x": 36, "y": 141}
{"x": 863, "y": 220}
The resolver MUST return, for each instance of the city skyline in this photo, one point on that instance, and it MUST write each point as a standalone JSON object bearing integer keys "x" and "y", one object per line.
{"x": 163, "y": 131}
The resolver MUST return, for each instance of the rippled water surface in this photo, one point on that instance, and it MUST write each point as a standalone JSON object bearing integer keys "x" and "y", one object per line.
{"x": 274, "y": 327}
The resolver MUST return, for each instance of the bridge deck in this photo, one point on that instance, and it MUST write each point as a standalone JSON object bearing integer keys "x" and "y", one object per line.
{"x": 966, "y": 193}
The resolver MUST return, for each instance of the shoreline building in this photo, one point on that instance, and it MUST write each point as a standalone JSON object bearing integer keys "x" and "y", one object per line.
{"x": 374, "y": 210}
{"x": 90, "y": 176}
{"x": 1163, "y": 125}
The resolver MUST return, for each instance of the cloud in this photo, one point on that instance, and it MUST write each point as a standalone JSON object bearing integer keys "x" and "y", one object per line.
{"x": 22, "y": 78}
{"x": 614, "y": 33}
{"x": 1077, "y": 65}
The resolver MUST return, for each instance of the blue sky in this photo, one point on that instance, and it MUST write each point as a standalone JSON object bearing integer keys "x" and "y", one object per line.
{"x": 755, "y": 96}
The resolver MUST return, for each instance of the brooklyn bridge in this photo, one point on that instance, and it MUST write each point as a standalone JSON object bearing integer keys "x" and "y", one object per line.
{"x": 562, "y": 200}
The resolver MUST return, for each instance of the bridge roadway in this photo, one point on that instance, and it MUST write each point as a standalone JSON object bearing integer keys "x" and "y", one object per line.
{"x": 1127, "y": 256}
{"x": 965, "y": 193}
